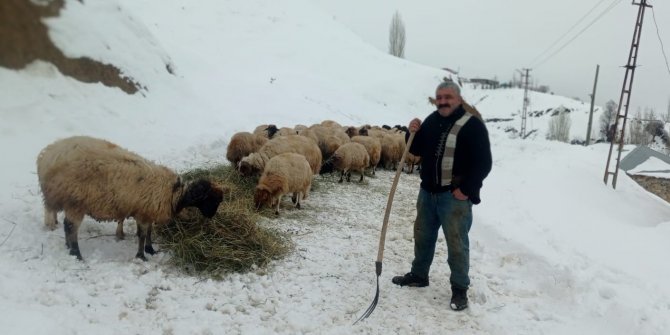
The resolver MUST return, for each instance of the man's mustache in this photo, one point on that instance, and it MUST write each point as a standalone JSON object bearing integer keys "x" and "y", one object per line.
{"x": 443, "y": 106}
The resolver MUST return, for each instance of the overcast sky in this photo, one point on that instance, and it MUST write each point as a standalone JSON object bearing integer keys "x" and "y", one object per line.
{"x": 493, "y": 38}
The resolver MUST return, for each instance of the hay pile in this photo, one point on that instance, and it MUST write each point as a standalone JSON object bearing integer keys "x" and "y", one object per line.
{"x": 229, "y": 242}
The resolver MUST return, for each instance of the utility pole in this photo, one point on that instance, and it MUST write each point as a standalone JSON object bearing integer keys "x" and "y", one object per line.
{"x": 526, "y": 101}
{"x": 625, "y": 94}
{"x": 593, "y": 98}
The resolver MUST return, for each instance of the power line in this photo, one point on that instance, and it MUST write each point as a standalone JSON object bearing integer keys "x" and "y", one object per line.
{"x": 610, "y": 7}
{"x": 567, "y": 32}
{"x": 653, "y": 14}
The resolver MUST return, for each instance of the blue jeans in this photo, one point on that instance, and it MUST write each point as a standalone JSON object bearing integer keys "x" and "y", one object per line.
{"x": 435, "y": 210}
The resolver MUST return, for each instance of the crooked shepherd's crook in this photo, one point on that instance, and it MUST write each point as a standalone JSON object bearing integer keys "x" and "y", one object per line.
{"x": 382, "y": 238}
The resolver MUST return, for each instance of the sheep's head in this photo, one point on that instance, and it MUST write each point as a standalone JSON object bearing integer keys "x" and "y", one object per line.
{"x": 203, "y": 195}
{"x": 262, "y": 197}
{"x": 272, "y": 130}
{"x": 249, "y": 166}
{"x": 327, "y": 166}
{"x": 351, "y": 132}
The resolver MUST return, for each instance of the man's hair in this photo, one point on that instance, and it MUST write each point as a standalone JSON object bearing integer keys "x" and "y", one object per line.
{"x": 450, "y": 85}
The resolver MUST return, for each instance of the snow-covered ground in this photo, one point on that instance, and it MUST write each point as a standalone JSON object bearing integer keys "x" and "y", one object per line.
{"x": 554, "y": 250}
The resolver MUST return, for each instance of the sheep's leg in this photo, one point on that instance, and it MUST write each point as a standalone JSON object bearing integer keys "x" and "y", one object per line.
{"x": 71, "y": 225}
{"x": 278, "y": 202}
{"x": 119, "y": 230}
{"x": 141, "y": 238}
{"x": 294, "y": 198}
{"x": 297, "y": 195}
{"x": 50, "y": 219}
{"x": 341, "y": 176}
{"x": 148, "y": 247}
{"x": 374, "y": 169}
{"x": 348, "y": 176}
{"x": 362, "y": 173}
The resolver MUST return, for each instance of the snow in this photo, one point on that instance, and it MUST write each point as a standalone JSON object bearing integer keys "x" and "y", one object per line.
{"x": 553, "y": 249}
{"x": 652, "y": 167}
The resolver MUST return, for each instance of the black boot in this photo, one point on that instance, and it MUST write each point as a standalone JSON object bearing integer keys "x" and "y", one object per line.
{"x": 459, "y": 298}
{"x": 411, "y": 280}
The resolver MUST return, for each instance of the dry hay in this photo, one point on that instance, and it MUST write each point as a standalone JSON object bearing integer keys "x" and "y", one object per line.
{"x": 229, "y": 242}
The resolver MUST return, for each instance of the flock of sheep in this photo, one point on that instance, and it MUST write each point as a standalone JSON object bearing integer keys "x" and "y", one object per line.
{"x": 83, "y": 175}
{"x": 288, "y": 158}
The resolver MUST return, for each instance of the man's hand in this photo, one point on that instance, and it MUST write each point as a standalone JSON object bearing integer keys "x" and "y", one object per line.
{"x": 459, "y": 195}
{"x": 414, "y": 125}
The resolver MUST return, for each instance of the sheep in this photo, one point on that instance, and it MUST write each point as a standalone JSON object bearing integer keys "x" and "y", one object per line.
{"x": 273, "y": 131}
{"x": 242, "y": 144}
{"x": 254, "y": 163}
{"x": 330, "y": 123}
{"x": 285, "y": 173}
{"x": 351, "y": 131}
{"x": 393, "y": 146}
{"x": 266, "y": 130}
{"x": 349, "y": 157}
{"x": 299, "y": 127}
{"x": 374, "y": 148}
{"x": 329, "y": 139}
{"x": 309, "y": 133}
{"x": 411, "y": 160}
{"x": 83, "y": 175}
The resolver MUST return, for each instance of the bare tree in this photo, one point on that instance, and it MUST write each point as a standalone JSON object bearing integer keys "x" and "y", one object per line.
{"x": 666, "y": 118}
{"x": 607, "y": 119}
{"x": 397, "y": 36}
{"x": 559, "y": 127}
{"x": 636, "y": 133}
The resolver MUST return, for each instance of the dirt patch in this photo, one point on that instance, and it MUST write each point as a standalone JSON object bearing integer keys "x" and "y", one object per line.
{"x": 24, "y": 39}
{"x": 658, "y": 186}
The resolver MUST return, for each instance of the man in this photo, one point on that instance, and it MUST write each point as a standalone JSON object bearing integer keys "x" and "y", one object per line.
{"x": 456, "y": 157}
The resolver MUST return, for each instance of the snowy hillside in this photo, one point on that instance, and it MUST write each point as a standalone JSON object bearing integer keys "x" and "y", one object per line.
{"x": 554, "y": 251}
{"x": 503, "y": 107}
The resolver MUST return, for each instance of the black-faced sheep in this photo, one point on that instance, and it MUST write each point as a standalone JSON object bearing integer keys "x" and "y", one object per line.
{"x": 349, "y": 157}
{"x": 283, "y": 174}
{"x": 254, "y": 164}
{"x": 373, "y": 147}
{"x": 266, "y": 130}
{"x": 242, "y": 144}
{"x": 88, "y": 176}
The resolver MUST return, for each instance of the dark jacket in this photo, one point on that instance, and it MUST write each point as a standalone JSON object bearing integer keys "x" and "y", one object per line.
{"x": 472, "y": 157}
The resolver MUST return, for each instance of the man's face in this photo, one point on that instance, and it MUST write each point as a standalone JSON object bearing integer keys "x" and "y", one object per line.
{"x": 447, "y": 100}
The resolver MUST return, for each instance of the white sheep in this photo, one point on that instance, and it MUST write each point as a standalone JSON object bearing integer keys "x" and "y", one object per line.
{"x": 374, "y": 148}
{"x": 254, "y": 164}
{"x": 283, "y": 174}
{"x": 329, "y": 138}
{"x": 393, "y": 146}
{"x": 412, "y": 160}
{"x": 242, "y": 144}
{"x": 349, "y": 157}
{"x": 88, "y": 176}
